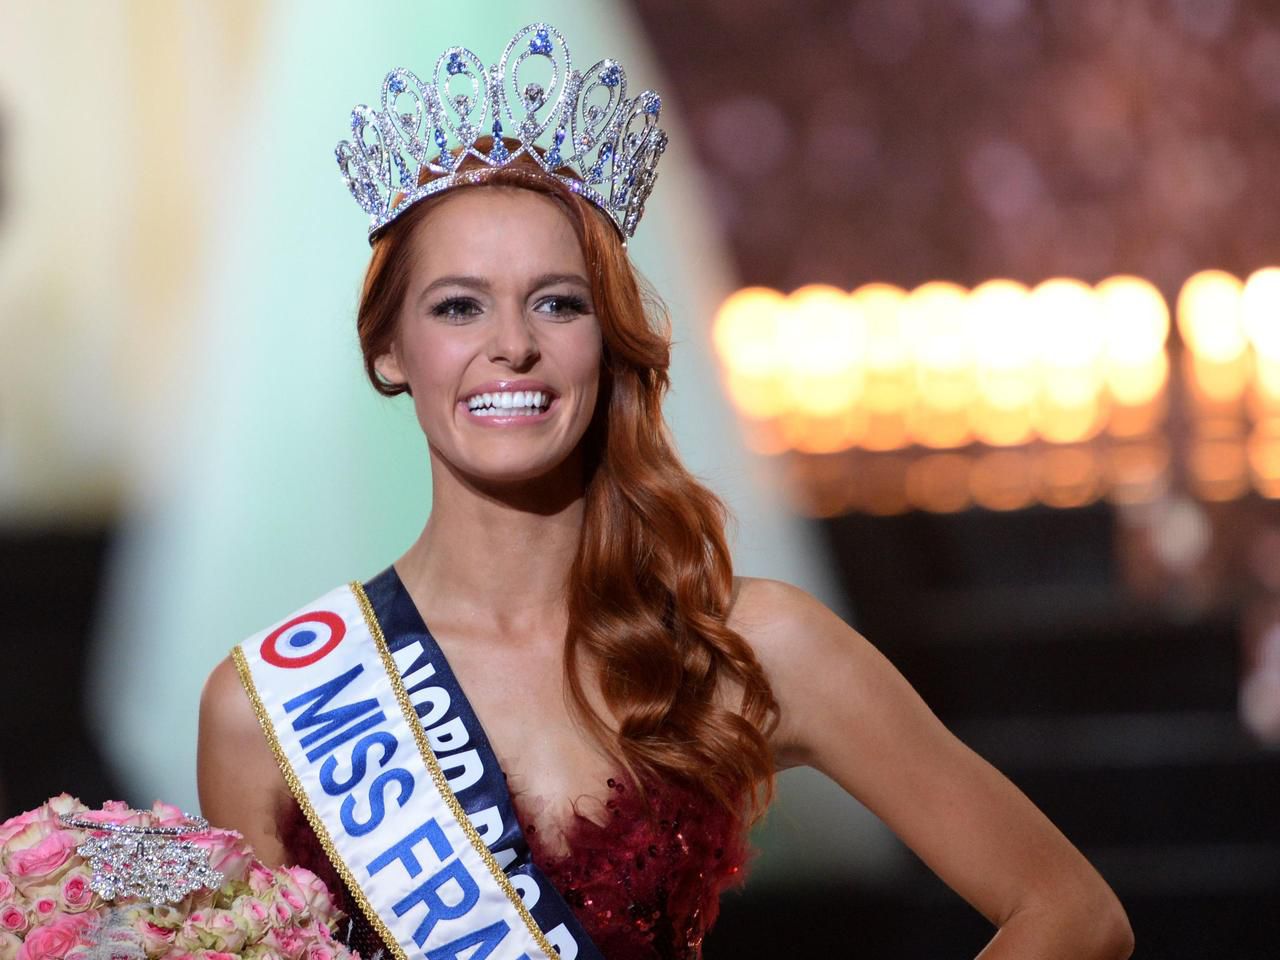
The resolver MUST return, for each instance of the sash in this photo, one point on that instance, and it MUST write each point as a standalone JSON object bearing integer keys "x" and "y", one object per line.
{"x": 392, "y": 769}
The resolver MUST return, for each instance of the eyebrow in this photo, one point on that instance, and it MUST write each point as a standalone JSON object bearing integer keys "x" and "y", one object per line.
{"x": 480, "y": 283}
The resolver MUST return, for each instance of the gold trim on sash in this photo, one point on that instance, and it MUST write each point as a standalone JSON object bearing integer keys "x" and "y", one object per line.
{"x": 317, "y": 824}
{"x": 437, "y": 775}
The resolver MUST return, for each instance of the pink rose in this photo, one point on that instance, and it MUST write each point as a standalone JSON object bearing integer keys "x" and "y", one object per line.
{"x": 319, "y": 951}
{"x": 76, "y": 894}
{"x": 13, "y": 919}
{"x": 45, "y": 860}
{"x": 10, "y": 944}
{"x": 53, "y": 940}
{"x": 15, "y": 825}
{"x": 252, "y": 915}
{"x": 166, "y": 814}
{"x": 45, "y": 908}
{"x": 260, "y": 878}
{"x": 155, "y": 939}
{"x": 6, "y": 887}
{"x": 215, "y": 955}
{"x": 211, "y": 930}
{"x": 63, "y": 803}
{"x": 228, "y": 852}
{"x": 314, "y": 892}
{"x": 228, "y": 935}
{"x": 288, "y": 892}
{"x": 288, "y": 941}
{"x": 114, "y": 812}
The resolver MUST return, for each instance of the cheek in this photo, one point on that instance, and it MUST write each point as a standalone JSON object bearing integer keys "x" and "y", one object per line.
{"x": 431, "y": 364}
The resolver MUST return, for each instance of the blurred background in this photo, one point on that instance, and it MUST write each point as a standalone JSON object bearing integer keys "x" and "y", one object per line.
{"x": 977, "y": 308}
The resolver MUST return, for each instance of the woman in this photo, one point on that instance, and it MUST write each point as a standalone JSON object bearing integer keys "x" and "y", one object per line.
{"x": 627, "y": 699}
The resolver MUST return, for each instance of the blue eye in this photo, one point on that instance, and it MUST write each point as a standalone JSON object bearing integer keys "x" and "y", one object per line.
{"x": 566, "y": 305}
{"x": 456, "y": 307}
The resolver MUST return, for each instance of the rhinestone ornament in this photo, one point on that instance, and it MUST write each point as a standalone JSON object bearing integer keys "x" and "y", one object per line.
{"x": 613, "y": 142}
{"x": 150, "y": 862}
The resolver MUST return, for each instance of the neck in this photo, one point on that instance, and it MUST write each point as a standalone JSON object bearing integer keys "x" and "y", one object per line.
{"x": 497, "y": 557}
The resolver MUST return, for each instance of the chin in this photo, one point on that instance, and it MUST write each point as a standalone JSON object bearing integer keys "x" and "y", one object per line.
{"x": 512, "y": 472}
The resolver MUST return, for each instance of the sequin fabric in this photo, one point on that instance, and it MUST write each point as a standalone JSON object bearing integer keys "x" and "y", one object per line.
{"x": 643, "y": 875}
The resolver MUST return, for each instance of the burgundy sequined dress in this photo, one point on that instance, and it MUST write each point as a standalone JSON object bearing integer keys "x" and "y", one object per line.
{"x": 643, "y": 879}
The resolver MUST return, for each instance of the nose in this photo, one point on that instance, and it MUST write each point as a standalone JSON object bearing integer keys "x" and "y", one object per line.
{"x": 512, "y": 340}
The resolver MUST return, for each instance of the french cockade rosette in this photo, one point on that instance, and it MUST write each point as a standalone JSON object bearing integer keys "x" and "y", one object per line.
{"x": 122, "y": 884}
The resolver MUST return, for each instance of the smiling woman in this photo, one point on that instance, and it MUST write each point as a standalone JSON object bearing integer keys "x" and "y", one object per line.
{"x": 544, "y": 729}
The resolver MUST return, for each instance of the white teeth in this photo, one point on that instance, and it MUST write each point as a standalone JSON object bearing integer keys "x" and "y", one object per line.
{"x": 519, "y": 403}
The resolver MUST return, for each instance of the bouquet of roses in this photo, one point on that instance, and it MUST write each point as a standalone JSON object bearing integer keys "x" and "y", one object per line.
{"x": 50, "y": 909}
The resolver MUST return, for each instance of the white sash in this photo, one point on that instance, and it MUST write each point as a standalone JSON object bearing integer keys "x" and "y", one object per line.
{"x": 333, "y": 706}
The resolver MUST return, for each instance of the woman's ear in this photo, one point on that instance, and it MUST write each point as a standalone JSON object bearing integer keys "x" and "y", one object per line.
{"x": 388, "y": 367}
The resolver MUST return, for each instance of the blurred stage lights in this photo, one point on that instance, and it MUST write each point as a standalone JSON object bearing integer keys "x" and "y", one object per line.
{"x": 943, "y": 398}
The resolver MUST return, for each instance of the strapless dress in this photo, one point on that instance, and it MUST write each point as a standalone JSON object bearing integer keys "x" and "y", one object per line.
{"x": 643, "y": 875}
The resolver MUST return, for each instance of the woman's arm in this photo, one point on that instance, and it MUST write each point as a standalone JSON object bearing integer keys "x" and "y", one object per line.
{"x": 848, "y": 712}
{"x": 241, "y": 787}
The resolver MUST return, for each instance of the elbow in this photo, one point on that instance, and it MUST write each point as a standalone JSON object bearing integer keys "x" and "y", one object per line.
{"x": 1089, "y": 923}
{"x": 1118, "y": 934}
{"x": 1111, "y": 936}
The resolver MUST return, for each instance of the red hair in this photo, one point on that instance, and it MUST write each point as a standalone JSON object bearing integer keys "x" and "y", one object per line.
{"x": 651, "y": 585}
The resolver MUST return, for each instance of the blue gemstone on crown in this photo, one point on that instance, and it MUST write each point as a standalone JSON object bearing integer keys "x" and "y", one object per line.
{"x": 653, "y": 106}
{"x": 455, "y": 65}
{"x": 397, "y": 85}
{"x": 541, "y": 43}
{"x": 611, "y": 75}
{"x": 356, "y": 122}
{"x": 499, "y": 150}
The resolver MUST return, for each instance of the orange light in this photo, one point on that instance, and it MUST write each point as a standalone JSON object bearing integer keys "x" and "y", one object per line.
{"x": 1264, "y": 458}
{"x": 1003, "y": 427}
{"x": 1135, "y": 320}
{"x": 823, "y": 352}
{"x": 1260, "y": 313}
{"x": 1210, "y": 316}
{"x": 880, "y": 305}
{"x": 1001, "y": 480}
{"x": 745, "y": 333}
{"x": 939, "y": 482}
{"x": 1069, "y": 424}
{"x": 1138, "y": 383}
{"x": 1068, "y": 477}
{"x": 882, "y": 488}
{"x": 1217, "y": 383}
{"x": 1218, "y": 468}
{"x": 934, "y": 324}
{"x": 830, "y": 434}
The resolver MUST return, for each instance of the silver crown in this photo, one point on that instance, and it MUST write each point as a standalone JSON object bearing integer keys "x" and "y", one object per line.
{"x": 585, "y": 121}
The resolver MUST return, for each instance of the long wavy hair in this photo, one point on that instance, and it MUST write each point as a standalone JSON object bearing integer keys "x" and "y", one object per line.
{"x": 650, "y": 588}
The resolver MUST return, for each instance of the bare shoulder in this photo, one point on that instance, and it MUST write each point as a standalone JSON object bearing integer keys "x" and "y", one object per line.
{"x": 765, "y": 611}
{"x": 240, "y": 784}
{"x": 797, "y": 639}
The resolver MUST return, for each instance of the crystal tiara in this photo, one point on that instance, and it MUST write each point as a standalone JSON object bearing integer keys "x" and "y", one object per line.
{"x": 610, "y": 145}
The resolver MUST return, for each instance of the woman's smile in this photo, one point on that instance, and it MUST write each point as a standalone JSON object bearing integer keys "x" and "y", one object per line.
{"x": 501, "y": 403}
